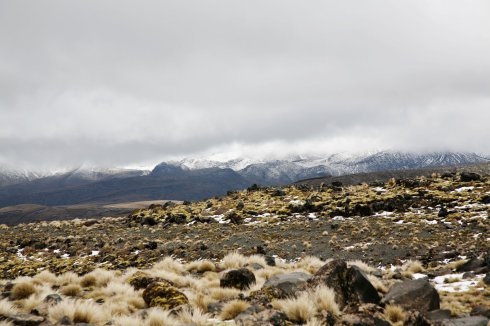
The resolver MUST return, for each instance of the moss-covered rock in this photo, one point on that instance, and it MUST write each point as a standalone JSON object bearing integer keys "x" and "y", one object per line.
{"x": 162, "y": 294}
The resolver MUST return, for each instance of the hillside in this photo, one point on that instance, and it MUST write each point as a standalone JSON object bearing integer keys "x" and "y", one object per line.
{"x": 230, "y": 258}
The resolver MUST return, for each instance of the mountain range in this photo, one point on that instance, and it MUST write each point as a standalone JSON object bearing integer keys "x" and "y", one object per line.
{"x": 193, "y": 179}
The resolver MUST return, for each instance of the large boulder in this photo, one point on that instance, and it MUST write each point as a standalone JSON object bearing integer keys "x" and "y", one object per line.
{"x": 287, "y": 284}
{"x": 350, "y": 284}
{"x": 240, "y": 279}
{"x": 413, "y": 295}
{"x": 162, "y": 294}
{"x": 473, "y": 264}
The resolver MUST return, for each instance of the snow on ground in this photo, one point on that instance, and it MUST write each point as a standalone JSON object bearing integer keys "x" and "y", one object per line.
{"x": 455, "y": 282}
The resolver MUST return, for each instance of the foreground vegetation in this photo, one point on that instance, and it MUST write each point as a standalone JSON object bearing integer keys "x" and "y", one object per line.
{"x": 259, "y": 256}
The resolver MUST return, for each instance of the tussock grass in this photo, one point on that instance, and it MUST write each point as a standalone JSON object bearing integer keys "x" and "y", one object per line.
{"x": 78, "y": 311}
{"x": 412, "y": 266}
{"x": 7, "y": 308}
{"x": 324, "y": 300}
{"x": 223, "y": 294}
{"x": 310, "y": 263}
{"x": 362, "y": 266}
{"x": 23, "y": 290}
{"x": 233, "y": 260}
{"x": 170, "y": 265}
{"x": 193, "y": 316}
{"x": 299, "y": 309}
{"x": 395, "y": 314}
{"x": 158, "y": 317}
{"x": 200, "y": 266}
{"x": 233, "y": 308}
{"x": 71, "y": 290}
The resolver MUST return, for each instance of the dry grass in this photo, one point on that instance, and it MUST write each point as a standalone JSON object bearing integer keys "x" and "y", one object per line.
{"x": 362, "y": 266}
{"x": 233, "y": 260}
{"x": 310, "y": 264}
{"x": 395, "y": 314}
{"x": 6, "y": 323}
{"x": 78, "y": 311}
{"x": 71, "y": 290}
{"x": 233, "y": 309}
{"x": 200, "y": 266}
{"x": 23, "y": 290}
{"x": 158, "y": 317}
{"x": 324, "y": 299}
{"x": 6, "y": 307}
{"x": 299, "y": 309}
{"x": 413, "y": 266}
{"x": 223, "y": 294}
{"x": 193, "y": 316}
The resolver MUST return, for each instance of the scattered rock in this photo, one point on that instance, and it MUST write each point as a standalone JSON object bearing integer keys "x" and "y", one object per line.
{"x": 350, "y": 285}
{"x": 438, "y": 314}
{"x": 363, "y": 319}
{"x": 469, "y": 176}
{"x": 24, "y": 319}
{"x": 287, "y": 284}
{"x": 413, "y": 295}
{"x": 164, "y": 295}
{"x": 270, "y": 261}
{"x": 471, "y": 265}
{"x": 238, "y": 278}
{"x": 486, "y": 279}
{"x": 262, "y": 317}
{"x": 465, "y": 321}
{"x": 481, "y": 311}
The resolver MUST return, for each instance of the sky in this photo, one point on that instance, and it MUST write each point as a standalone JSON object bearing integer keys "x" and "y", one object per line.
{"x": 114, "y": 83}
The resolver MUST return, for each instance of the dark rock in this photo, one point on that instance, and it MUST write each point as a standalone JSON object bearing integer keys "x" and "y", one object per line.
{"x": 164, "y": 295}
{"x": 486, "y": 279}
{"x": 465, "y": 321}
{"x": 270, "y": 260}
{"x": 260, "y": 250}
{"x": 65, "y": 321}
{"x": 24, "y": 319}
{"x": 336, "y": 184}
{"x": 469, "y": 176}
{"x": 481, "y": 311}
{"x": 258, "y": 316}
{"x": 255, "y": 266}
{"x": 438, "y": 314}
{"x": 152, "y": 245}
{"x": 238, "y": 278}
{"x": 287, "y": 284}
{"x": 350, "y": 285}
{"x": 176, "y": 218}
{"x": 413, "y": 295}
{"x": 485, "y": 199}
{"x": 215, "y": 307}
{"x": 53, "y": 299}
{"x": 415, "y": 318}
{"x": 471, "y": 265}
{"x": 149, "y": 220}
{"x": 363, "y": 319}
{"x": 141, "y": 280}
{"x": 443, "y": 212}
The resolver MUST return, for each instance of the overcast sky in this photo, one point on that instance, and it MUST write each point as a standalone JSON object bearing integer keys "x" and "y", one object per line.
{"x": 122, "y": 82}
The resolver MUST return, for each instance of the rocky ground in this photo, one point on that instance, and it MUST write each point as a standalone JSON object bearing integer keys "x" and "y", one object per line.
{"x": 289, "y": 251}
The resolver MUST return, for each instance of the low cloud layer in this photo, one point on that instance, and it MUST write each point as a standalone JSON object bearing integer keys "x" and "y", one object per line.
{"x": 121, "y": 82}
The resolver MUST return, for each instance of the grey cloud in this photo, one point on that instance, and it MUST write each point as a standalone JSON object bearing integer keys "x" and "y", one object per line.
{"x": 125, "y": 81}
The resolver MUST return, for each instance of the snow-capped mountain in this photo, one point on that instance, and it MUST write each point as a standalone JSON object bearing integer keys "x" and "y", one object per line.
{"x": 302, "y": 167}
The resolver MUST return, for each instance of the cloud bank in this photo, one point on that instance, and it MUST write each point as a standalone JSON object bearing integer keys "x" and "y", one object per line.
{"x": 119, "y": 82}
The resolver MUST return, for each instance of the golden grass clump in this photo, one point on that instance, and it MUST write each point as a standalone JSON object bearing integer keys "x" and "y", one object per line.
{"x": 158, "y": 317}
{"x": 395, "y": 314}
{"x": 78, "y": 311}
{"x": 68, "y": 278}
{"x": 233, "y": 260}
{"x": 413, "y": 266}
{"x": 71, "y": 290}
{"x": 299, "y": 309}
{"x": 362, "y": 266}
{"x": 201, "y": 266}
{"x": 233, "y": 308}
{"x": 193, "y": 316}
{"x": 23, "y": 290}
{"x": 378, "y": 284}
{"x": 222, "y": 294}
{"x": 170, "y": 265}
{"x": 45, "y": 277}
{"x": 324, "y": 300}
{"x": 127, "y": 321}
{"x": 7, "y": 308}
{"x": 310, "y": 264}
